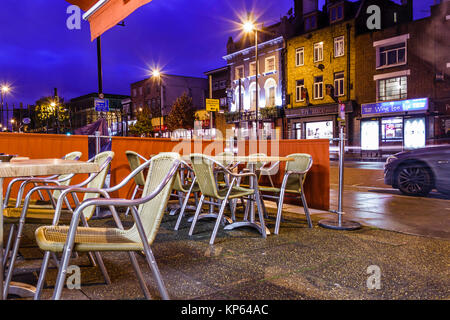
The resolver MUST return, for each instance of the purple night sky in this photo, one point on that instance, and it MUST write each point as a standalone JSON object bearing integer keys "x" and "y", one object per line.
{"x": 186, "y": 37}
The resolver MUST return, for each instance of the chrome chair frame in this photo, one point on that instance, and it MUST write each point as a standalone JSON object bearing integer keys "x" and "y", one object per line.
{"x": 111, "y": 202}
{"x": 235, "y": 177}
{"x": 22, "y": 219}
{"x": 282, "y": 195}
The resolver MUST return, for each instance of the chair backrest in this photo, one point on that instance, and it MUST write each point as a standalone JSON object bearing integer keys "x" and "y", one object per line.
{"x": 134, "y": 160}
{"x": 76, "y": 155}
{"x": 226, "y": 154}
{"x": 258, "y": 164}
{"x": 103, "y": 159}
{"x": 302, "y": 162}
{"x": 204, "y": 171}
{"x": 152, "y": 211}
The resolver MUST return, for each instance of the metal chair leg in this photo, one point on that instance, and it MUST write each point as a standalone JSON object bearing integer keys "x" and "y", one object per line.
{"x": 218, "y": 221}
{"x": 280, "y": 205}
{"x": 8, "y": 247}
{"x": 102, "y": 267}
{"x": 42, "y": 273}
{"x": 305, "y": 207}
{"x": 139, "y": 275}
{"x": 15, "y": 252}
{"x": 183, "y": 206}
{"x": 197, "y": 212}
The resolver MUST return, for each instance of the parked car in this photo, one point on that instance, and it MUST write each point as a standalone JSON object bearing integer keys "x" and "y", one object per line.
{"x": 419, "y": 171}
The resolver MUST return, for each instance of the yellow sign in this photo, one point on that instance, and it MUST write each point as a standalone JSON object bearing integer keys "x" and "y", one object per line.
{"x": 212, "y": 104}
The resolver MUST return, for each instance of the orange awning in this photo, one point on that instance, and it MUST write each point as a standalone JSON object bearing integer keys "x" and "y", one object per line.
{"x": 108, "y": 15}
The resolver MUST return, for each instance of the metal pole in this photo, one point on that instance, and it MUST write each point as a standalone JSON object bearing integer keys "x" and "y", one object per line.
{"x": 340, "y": 224}
{"x": 1, "y": 91}
{"x": 341, "y": 171}
{"x": 97, "y": 142}
{"x": 160, "y": 106}
{"x": 99, "y": 66}
{"x": 257, "y": 91}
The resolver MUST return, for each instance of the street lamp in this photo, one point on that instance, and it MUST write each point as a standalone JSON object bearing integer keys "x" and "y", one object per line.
{"x": 4, "y": 90}
{"x": 157, "y": 74}
{"x": 249, "y": 27}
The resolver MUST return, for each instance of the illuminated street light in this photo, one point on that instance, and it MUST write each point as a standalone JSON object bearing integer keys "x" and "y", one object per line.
{"x": 249, "y": 27}
{"x": 4, "y": 90}
{"x": 157, "y": 74}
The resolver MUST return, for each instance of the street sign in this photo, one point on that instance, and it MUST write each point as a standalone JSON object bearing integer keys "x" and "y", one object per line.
{"x": 101, "y": 105}
{"x": 212, "y": 104}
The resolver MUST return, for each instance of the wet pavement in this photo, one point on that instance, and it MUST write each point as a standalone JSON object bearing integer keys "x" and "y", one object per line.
{"x": 369, "y": 201}
{"x": 406, "y": 238}
{"x": 299, "y": 263}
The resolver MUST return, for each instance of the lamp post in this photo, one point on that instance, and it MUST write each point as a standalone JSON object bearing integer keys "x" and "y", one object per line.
{"x": 249, "y": 27}
{"x": 157, "y": 74}
{"x": 4, "y": 90}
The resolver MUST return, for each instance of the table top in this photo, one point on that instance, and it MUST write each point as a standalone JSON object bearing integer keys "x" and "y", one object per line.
{"x": 41, "y": 167}
{"x": 248, "y": 159}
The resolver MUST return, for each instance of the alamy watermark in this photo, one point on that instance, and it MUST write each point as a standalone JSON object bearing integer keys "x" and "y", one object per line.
{"x": 374, "y": 280}
{"x": 73, "y": 22}
{"x": 74, "y": 280}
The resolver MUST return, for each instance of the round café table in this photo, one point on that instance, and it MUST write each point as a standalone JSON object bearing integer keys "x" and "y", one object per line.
{"x": 36, "y": 167}
{"x": 252, "y": 161}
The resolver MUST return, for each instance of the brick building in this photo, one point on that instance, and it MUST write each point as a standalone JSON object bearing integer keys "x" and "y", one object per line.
{"x": 148, "y": 93}
{"x": 324, "y": 54}
{"x": 405, "y": 91}
{"x": 241, "y": 59}
{"x": 82, "y": 111}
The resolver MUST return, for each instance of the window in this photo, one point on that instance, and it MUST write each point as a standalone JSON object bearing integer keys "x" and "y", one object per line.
{"x": 336, "y": 14}
{"x": 140, "y": 91}
{"x": 318, "y": 52}
{"x": 391, "y": 55}
{"x": 300, "y": 84}
{"x": 300, "y": 56}
{"x": 270, "y": 89}
{"x": 339, "y": 46}
{"x": 392, "y": 129}
{"x": 223, "y": 84}
{"x": 392, "y": 88}
{"x": 134, "y": 92}
{"x": 339, "y": 84}
{"x": 239, "y": 72}
{"x": 252, "y": 68}
{"x": 310, "y": 22}
{"x": 253, "y": 95}
{"x": 270, "y": 64}
{"x": 216, "y": 86}
{"x": 238, "y": 101}
{"x": 318, "y": 87}
{"x": 298, "y": 130}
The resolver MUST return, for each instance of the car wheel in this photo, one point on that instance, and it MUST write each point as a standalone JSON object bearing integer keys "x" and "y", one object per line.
{"x": 414, "y": 180}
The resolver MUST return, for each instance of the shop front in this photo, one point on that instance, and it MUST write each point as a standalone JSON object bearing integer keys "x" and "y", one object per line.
{"x": 317, "y": 122}
{"x": 390, "y": 127}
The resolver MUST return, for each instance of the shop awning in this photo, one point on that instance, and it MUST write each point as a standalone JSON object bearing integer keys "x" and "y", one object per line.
{"x": 105, "y": 14}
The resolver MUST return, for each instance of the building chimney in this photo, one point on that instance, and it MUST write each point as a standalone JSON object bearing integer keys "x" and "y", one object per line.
{"x": 310, "y": 6}
{"x": 408, "y": 5}
{"x": 298, "y": 8}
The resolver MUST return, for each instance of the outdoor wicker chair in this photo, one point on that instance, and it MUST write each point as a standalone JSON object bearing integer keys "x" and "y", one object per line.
{"x": 293, "y": 179}
{"x": 146, "y": 211}
{"x": 204, "y": 168}
{"x": 27, "y": 215}
{"x": 134, "y": 160}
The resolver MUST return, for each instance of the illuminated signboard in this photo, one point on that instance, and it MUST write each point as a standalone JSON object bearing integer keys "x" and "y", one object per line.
{"x": 395, "y": 106}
